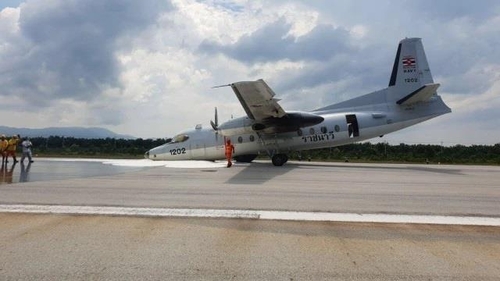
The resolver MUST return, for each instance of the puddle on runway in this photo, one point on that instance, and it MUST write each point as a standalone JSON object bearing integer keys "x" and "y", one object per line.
{"x": 46, "y": 169}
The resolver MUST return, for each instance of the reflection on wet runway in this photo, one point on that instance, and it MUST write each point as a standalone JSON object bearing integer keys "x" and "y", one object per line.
{"x": 45, "y": 169}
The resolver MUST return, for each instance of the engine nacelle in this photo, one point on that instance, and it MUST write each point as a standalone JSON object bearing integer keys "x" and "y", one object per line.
{"x": 292, "y": 121}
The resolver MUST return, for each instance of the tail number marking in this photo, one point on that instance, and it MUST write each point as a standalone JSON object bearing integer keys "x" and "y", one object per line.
{"x": 411, "y": 80}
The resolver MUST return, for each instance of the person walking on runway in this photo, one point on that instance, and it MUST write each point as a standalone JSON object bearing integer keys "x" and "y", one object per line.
{"x": 229, "y": 152}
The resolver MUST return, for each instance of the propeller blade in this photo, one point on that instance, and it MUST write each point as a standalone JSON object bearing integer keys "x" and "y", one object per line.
{"x": 216, "y": 118}
{"x": 214, "y": 126}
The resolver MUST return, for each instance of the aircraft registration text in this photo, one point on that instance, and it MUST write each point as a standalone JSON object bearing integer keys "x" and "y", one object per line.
{"x": 316, "y": 138}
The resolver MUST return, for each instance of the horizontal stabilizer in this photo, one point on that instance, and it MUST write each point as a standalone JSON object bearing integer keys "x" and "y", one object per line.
{"x": 423, "y": 93}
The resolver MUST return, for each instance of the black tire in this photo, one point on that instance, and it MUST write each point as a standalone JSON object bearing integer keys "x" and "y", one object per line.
{"x": 279, "y": 159}
{"x": 245, "y": 158}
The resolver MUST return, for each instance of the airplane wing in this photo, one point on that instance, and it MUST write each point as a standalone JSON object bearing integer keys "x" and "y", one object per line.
{"x": 257, "y": 99}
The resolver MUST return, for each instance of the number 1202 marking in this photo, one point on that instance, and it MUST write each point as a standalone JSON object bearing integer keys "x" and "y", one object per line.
{"x": 411, "y": 80}
{"x": 177, "y": 151}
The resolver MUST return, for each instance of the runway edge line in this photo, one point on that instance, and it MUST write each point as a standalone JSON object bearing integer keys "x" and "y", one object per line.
{"x": 250, "y": 214}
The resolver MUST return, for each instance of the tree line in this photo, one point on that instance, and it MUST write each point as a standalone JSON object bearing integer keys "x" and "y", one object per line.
{"x": 82, "y": 147}
{"x": 357, "y": 152}
{"x": 415, "y": 153}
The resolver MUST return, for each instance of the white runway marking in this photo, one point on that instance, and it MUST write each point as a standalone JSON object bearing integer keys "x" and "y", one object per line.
{"x": 251, "y": 214}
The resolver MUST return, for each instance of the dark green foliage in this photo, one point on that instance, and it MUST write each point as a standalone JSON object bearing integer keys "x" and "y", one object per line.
{"x": 417, "y": 153}
{"x": 357, "y": 152}
{"x": 108, "y": 147}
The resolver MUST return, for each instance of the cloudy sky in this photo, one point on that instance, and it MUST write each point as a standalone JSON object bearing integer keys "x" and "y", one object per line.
{"x": 146, "y": 68}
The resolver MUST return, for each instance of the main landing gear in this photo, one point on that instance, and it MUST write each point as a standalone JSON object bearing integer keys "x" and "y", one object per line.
{"x": 245, "y": 158}
{"x": 279, "y": 159}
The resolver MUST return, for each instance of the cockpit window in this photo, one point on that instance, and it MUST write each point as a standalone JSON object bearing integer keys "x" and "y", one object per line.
{"x": 179, "y": 138}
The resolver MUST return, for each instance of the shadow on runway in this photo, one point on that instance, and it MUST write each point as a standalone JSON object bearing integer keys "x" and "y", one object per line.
{"x": 378, "y": 166}
{"x": 261, "y": 172}
{"x": 258, "y": 173}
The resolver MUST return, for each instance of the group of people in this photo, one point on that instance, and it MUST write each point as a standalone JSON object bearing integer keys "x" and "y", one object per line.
{"x": 9, "y": 148}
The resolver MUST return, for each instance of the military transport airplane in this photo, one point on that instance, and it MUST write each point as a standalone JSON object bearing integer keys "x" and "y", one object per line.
{"x": 409, "y": 99}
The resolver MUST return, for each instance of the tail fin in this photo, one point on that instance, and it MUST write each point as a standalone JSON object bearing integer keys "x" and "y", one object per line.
{"x": 410, "y": 71}
{"x": 411, "y": 82}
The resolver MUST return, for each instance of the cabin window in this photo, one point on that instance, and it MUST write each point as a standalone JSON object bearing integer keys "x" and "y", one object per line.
{"x": 311, "y": 131}
{"x": 299, "y": 132}
{"x": 252, "y": 138}
{"x": 323, "y": 130}
{"x": 337, "y": 128}
{"x": 240, "y": 139}
{"x": 180, "y": 138}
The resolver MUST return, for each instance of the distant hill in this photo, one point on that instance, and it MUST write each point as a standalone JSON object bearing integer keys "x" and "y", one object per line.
{"x": 77, "y": 132}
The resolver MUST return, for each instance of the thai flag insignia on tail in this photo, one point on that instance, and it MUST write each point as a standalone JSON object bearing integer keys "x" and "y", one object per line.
{"x": 408, "y": 62}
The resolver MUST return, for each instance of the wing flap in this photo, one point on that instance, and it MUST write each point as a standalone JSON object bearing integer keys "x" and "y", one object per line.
{"x": 257, "y": 99}
{"x": 423, "y": 93}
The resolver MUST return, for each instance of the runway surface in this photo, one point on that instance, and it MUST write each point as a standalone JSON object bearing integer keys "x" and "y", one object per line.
{"x": 56, "y": 247}
{"x": 132, "y": 245}
{"x": 309, "y": 187}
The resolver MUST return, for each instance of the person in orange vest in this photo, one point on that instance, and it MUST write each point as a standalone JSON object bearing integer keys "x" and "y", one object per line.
{"x": 11, "y": 149}
{"x": 4, "y": 143}
{"x": 229, "y": 152}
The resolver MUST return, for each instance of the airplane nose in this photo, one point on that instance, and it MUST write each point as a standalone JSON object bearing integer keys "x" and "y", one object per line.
{"x": 146, "y": 155}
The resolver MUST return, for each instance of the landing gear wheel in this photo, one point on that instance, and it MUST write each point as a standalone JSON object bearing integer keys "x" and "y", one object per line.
{"x": 245, "y": 158}
{"x": 279, "y": 159}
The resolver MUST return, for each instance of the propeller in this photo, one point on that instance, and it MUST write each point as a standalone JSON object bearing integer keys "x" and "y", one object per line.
{"x": 215, "y": 125}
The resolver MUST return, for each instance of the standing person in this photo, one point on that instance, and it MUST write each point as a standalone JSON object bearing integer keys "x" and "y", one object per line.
{"x": 4, "y": 143}
{"x": 229, "y": 152}
{"x": 26, "y": 145}
{"x": 11, "y": 149}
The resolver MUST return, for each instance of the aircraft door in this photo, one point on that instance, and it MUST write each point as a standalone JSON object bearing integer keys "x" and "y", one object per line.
{"x": 197, "y": 149}
{"x": 352, "y": 125}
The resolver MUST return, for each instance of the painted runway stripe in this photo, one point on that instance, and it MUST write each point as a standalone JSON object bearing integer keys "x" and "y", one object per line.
{"x": 251, "y": 214}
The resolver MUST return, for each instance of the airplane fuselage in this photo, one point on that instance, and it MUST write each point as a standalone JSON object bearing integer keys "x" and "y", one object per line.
{"x": 410, "y": 98}
{"x": 337, "y": 128}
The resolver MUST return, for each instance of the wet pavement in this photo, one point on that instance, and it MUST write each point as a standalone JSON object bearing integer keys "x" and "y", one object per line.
{"x": 46, "y": 169}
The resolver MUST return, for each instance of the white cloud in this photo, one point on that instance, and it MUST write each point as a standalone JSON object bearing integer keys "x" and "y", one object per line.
{"x": 149, "y": 77}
